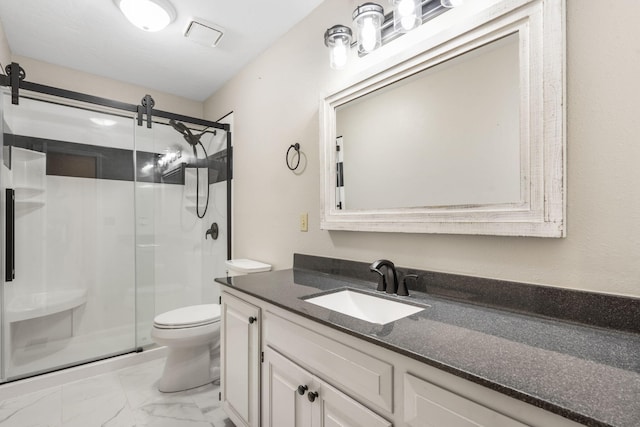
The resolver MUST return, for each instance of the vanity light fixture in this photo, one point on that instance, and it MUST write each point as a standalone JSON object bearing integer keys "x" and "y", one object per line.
{"x": 407, "y": 15}
{"x": 338, "y": 40}
{"x": 368, "y": 19}
{"x": 148, "y": 15}
{"x": 373, "y": 28}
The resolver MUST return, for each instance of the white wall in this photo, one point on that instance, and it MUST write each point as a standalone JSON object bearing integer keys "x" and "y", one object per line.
{"x": 5, "y": 52}
{"x": 67, "y": 78}
{"x": 275, "y": 103}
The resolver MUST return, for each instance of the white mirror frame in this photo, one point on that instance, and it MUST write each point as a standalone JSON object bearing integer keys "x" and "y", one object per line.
{"x": 541, "y": 211}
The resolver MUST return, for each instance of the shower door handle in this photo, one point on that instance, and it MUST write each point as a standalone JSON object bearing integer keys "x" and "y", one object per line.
{"x": 10, "y": 241}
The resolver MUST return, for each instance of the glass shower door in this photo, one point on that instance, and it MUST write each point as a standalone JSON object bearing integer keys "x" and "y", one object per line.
{"x": 179, "y": 197}
{"x": 68, "y": 185}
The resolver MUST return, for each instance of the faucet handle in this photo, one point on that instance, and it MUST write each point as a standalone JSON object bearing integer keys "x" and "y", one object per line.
{"x": 402, "y": 289}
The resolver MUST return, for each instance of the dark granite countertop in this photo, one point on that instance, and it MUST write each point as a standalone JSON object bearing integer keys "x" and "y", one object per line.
{"x": 588, "y": 374}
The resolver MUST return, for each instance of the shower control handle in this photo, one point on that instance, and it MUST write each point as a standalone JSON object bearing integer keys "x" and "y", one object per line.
{"x": 213, "y": 231}
{"x": 252, "y": 319}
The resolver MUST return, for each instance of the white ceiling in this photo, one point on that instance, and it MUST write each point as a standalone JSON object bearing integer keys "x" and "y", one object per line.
{"x": 94, "y": 36}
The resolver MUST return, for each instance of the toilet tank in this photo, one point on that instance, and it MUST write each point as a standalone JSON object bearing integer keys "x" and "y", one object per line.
{"x": 238, "y": 267}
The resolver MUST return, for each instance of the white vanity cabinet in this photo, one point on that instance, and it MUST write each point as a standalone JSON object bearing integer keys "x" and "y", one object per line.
{"x": 293, "y": 397}
{"x": 240, "y": 360}
{"x": 357, "y": 382}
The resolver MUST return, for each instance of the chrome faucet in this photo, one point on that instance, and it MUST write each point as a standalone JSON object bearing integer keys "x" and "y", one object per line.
{"x": 387, "y": 276}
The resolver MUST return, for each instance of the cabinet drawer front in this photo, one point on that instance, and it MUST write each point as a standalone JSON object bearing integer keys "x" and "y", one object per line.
{"x": 427, "y": 405}
{"x": 352, "y": 370}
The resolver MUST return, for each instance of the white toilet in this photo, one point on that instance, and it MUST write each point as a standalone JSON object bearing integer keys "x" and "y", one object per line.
{"x": 190, "y": 334}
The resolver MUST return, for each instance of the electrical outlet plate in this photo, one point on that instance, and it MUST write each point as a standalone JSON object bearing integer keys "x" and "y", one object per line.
{"x": 304, "y": 222}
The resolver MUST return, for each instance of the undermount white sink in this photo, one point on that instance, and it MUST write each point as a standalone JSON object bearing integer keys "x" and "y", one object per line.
{"x": 364, "y": 306}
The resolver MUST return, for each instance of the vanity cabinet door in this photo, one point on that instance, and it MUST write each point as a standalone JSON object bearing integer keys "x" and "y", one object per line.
{"x": 427, "y": 405}
{"x": 336, "y": 409}
{"x": 282, "y": 403}
{"x": 319, "y": 405}
{"x": 240, "y": 361}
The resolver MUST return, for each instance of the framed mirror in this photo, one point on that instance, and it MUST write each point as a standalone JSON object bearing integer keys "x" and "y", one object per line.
{"x": 466, "y": 137}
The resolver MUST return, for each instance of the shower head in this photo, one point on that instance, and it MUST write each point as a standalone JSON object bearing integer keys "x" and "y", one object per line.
{"x": 186, "y": 133}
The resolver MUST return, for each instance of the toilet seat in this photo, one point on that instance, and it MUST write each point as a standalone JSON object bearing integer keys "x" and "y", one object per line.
{"x": 188, "y": 317}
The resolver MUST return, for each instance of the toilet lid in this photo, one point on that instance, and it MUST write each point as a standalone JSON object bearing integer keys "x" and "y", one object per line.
{"x": 195, "y": 315}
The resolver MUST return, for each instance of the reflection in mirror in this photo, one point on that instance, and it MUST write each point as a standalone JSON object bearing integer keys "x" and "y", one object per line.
{"x": 446, "y": 136}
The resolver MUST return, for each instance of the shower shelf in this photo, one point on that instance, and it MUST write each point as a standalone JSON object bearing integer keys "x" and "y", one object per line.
{"x": 25, "y": 206}
{"x": 191, "y": 208}
{"x": 192, "y": 197}
{"x": 175, "y": 175}
{"x": 23, "y": 193}
{"x": 31, "y": 306}
{"x": 25, "y": 155}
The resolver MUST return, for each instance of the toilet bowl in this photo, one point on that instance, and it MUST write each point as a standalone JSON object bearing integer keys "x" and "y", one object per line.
{"x": 189, "y": 333}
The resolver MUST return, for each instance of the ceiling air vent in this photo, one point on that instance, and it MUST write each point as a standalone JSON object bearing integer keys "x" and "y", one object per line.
{"x": 203, "y": 33}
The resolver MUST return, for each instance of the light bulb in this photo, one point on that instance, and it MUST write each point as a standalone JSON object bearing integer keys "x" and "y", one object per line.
{"x": 407, "y": 14}
{"x": 338, "y": 40}
{"x": 368, "y": 19}
{"x": 406, "y": 7}
{"x": 338, "y": 54}
{"x": 368, "y": 34}
{"x": 451, "y": 3}
{"x": 408, "y": 22}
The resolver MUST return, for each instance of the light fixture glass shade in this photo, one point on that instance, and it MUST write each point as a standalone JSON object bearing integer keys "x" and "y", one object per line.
{"x": 148, "y": 15}
{"x": 407, "y": 14}
{"x": 338, "y": 40}
{"x": 451, "y": 3}
{"x": 368, "y": 19}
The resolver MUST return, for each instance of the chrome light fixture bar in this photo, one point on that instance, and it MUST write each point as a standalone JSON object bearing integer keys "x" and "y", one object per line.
{"x": 406, "y": 16}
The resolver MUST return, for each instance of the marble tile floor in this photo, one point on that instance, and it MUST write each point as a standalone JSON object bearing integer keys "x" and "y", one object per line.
{"x": 123, "y": 398}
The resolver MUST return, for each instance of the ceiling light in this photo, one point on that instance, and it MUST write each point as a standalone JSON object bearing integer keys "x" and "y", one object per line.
{"x": 149, "y": 15}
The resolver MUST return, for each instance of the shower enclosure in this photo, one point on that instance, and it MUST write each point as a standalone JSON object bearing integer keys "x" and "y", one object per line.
{"x": 100, "y": 206}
